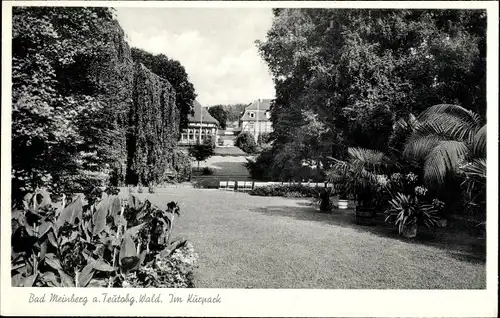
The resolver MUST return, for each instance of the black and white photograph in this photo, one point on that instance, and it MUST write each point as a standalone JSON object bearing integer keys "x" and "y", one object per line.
{"x": 247, "y": 148}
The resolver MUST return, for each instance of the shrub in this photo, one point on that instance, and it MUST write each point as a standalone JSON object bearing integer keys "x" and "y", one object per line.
{"x": 246, "y": 142}
{"x": 263, "y": 138}
{"x": 169, "y": 270}
{"x": 207, "y": 183}
{"x": 202, "y": 151}
{"x": 264, "y": 168}
{"x": 96, "y": 240}
{"x": 206, "y": 171}
{"x": 283, "y": 190}
{"x": 181, "y": 168}
{"x": 151, "y": 189}
{"x": 408, "y": 211}
{"x": 260, "y": 168}
{"x": 322, "y": 199}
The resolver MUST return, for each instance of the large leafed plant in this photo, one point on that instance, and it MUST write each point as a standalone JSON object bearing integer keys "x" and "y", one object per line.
{"x": 92, "y": 240}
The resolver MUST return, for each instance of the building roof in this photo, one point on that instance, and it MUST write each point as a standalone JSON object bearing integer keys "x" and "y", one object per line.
{"x": 263, "y": 106}
{"x": 197, "y": 117}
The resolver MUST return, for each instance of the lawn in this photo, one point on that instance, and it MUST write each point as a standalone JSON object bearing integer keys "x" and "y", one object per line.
{"x": 224, "y": 168}
{"x": 229, "y": 151}
{"x": 271, "y": 242}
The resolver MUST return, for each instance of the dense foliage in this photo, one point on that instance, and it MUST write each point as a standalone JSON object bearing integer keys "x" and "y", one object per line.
{"x": 97, "y": 240}
{"x": 284, "y": 190}
{"x": 233, "y": 111}
{"x": 82, "y": 111}
{"x": 259, "y": 168}
{"x": 202, "y": 151}
{"x": 175, "y": 73}
{"x": 448, "y": 144}
{"x": 70, "y": 96}
{"x": 153, "y": 122}
{"x": 348, "y": 83}
{"x": 246, "y": 142}
{"x": 344, "y": 76}
{"x": 181, "y": 167}
{"x": 218, "y": 112}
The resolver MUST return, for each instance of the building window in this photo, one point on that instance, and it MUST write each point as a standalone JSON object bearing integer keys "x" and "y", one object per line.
{"x": 251, "y": 125}
{"x": 252, "y": 114}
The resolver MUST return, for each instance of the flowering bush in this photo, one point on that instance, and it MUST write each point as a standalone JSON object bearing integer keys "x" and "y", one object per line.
{"x": 396, "y": 177}
{"x": 420, "y": 191}
{"x": 411, "y": 177}
{"x": 284, "y": 190}
{"x": 166, "y": 270}
{"x": 382, "y": 180}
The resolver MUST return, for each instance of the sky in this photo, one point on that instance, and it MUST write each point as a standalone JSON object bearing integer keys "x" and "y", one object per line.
{"x": 216, "y": 46}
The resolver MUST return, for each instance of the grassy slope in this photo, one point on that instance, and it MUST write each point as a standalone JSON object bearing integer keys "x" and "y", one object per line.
{"x": 247, "y": 241}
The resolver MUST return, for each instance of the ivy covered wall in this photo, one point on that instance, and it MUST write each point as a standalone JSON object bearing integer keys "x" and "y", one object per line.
{"x": 83, "y": 111}
{"x": 153, "y": 127}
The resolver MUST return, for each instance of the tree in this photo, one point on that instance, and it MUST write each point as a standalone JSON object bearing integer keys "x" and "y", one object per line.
{"x": 218, "y": 112}
{"x": 173, "y": 71}
{"x": 446, "y": 137}
{"x": 449, "y": 142}
{"x": 153, "y": 128}
{"x": 233, "y": 111}
{"x": 82, "y": 110}
{"x": 362, "y": 70}
{"x": 63, "y": 130}
{"x": 246, "y": 142}
{"x": 358, "y": 175}
{"x": 201, "y": 151}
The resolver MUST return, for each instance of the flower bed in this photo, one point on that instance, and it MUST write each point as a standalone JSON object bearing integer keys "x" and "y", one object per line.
{"x": 280, "y": 190}
{"x": 98, "y": 240}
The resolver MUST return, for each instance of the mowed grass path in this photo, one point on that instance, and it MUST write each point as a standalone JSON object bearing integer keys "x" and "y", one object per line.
{"x": 248, "y": 241}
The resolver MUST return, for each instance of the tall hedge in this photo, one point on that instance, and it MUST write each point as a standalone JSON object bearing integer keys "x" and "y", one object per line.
{"x": 72, "y": 77}
{"x": 82, "y": 111}
{"x": 153, "y": 127}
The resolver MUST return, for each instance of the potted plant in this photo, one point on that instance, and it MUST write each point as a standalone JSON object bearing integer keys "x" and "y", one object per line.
{"x": 359, "y": 177}
{"x": 323, "y": 199}
{"x": 408, "y": 213}
{"x": 342, "y": 189}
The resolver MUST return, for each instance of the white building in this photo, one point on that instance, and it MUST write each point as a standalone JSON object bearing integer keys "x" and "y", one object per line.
{"x": 201, "y": 126}
{"x": 257, "y": 118}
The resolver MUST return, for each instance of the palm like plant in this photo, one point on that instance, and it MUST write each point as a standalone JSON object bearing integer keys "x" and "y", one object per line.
{"x": 474, "y": 185}
{"x": 407, "y": 211}
{"x": 359, "y": 175}
{"x": 445, "y": 137}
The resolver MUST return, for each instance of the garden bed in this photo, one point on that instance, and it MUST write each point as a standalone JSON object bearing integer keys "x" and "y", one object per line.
{"x": 98, "y": 240}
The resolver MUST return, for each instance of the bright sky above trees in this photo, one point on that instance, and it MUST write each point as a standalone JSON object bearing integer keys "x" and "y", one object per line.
{"x": 216, "y": 46}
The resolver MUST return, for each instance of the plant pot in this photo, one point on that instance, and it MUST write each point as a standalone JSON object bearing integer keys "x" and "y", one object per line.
{"x": 325, "y": 206}
{"x": 365, "y": 216}
{"x": 343, "y": 204}
{"x": 410, "y": 231}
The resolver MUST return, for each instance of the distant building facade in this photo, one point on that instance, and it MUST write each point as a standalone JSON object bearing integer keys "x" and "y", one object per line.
{"x": 201, "y": 126}
{"x": 257, "y": 118}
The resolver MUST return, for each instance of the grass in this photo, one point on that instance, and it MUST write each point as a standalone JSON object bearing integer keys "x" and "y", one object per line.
{"x": 229, "y": 151}
{"x": 271, "y": 242}
{"x": 223, "y": 167}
